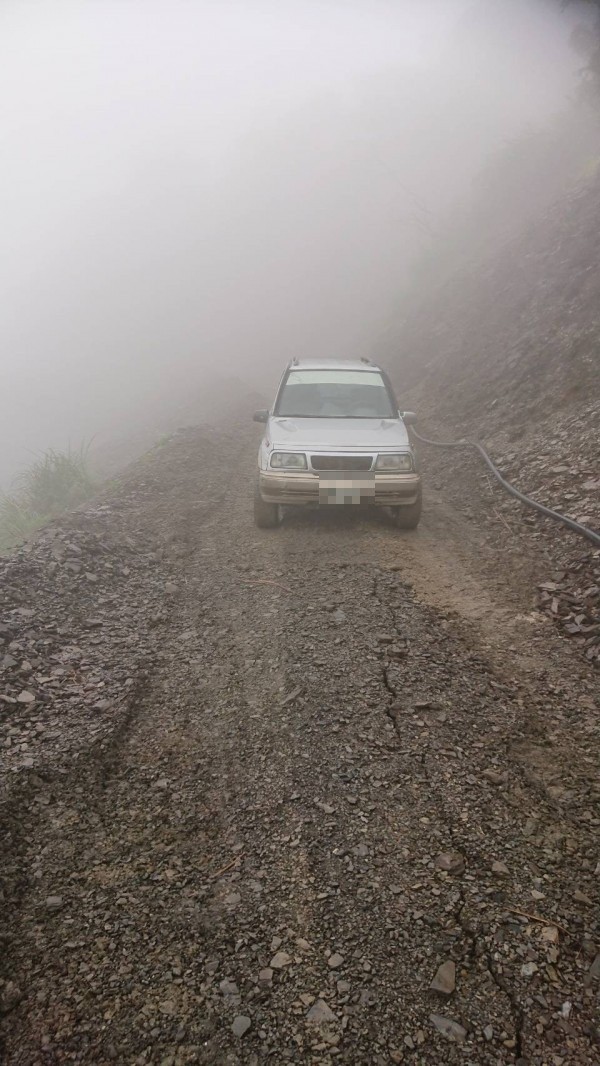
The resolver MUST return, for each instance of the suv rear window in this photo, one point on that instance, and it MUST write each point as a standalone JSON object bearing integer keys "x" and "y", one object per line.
{"x": 334, "y": 394}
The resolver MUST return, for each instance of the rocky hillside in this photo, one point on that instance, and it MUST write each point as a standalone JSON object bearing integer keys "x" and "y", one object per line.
{"x": 507, "y": 351}
{"x": 511, "y": 343}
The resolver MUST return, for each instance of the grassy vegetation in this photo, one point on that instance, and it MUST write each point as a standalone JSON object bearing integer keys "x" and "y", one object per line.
{"x": 54, "y": 483}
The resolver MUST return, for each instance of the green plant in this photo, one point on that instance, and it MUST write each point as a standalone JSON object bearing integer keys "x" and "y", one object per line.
{"x": 16, "y": 522}
{"x": 54, "y": 483}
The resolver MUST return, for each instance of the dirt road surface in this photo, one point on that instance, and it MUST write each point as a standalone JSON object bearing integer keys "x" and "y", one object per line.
{"x": 320, "y": 794}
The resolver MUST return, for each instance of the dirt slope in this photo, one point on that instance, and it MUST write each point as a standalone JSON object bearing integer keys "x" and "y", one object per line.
{"x": 508, "y": 352}
{"x": 271, "y": 782}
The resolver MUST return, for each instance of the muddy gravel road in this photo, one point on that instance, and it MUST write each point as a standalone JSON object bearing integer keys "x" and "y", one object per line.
{"x": 325, "y": 793}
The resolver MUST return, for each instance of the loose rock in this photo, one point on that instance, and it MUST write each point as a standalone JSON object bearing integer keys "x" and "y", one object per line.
{"x": 280, "y": 960}
{"x": 445, "y": 978}
{"x": 241, "y": 1024}
{"x": 320, "y": 1013}
{"x": 449, "y": 1028}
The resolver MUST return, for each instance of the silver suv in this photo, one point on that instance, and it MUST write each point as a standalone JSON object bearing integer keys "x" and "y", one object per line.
{"x": 335, "y": 436}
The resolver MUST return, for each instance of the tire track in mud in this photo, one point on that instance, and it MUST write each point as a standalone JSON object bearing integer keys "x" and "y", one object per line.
{"x": 266, "y": 800}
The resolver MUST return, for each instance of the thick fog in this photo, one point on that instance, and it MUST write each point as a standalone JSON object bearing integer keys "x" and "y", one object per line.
{"x": 198, "y": 188}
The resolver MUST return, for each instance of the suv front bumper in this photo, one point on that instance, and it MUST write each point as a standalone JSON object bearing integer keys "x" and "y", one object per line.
{"x": 293, "y": 489}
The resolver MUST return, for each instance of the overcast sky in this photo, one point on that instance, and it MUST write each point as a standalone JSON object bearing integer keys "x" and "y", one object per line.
{"x": 190, "y": 186}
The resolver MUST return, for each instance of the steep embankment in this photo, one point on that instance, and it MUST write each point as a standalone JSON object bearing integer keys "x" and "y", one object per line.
{"x": 507, "y": 352}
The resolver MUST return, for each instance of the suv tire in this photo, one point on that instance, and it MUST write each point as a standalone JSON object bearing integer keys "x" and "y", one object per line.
{"x": 266, "y": 515}
{"x": 409, "y": 516}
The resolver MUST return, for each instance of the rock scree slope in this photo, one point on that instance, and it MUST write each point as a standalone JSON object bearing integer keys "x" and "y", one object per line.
{"x": 507, "y": 351}
{"x": 324, "y": 794}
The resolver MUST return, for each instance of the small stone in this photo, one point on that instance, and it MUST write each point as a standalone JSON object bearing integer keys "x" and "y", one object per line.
{"x": 500, "y": 869}
{"x": 550, "y": 934}
{"x": 488, "y": 1033}
{"x": 335, "y": 960}
{"x": 302, "y": 944}
{"x": 265, "y": 976}
{"x": 397, "y": 651}
{"x": 448, "y": 1028}
{"x": 54, "y": 903}
{"x": 280, "y": 960}
{"x": 10, "y": 995}
{"x": 320, "y": 1013}
{"x": 594, "y": 969}
{"x": 528, "y": 969}
{"x": 451, "y": 861}
{"x": 445, "y": 979}
{"x": 229, "y": 988}
{"x": 170, "y": 588}
{"x": 582, "y": 898}
{"x": 495, "y": 777}
{"x": 25, "y": 697}
{"x": 343, "y": 987}
{"x": 241, "y": 1025}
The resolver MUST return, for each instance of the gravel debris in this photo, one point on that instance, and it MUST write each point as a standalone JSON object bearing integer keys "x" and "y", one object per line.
{"x": 227, "y": 861}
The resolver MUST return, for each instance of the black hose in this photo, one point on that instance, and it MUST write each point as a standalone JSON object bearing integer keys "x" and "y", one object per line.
{"x": 576, "y": 527}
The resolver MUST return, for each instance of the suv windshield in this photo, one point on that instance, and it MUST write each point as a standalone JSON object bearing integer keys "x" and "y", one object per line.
{"x": 335, "y": 394}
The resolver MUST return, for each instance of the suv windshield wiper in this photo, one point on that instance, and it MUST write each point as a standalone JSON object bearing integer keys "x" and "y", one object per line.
{"x": 356, "y": 417}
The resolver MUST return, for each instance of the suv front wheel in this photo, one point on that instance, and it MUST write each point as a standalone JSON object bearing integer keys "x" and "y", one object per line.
{"x": 409, "y": 516}
{"x": 266, "y": 515}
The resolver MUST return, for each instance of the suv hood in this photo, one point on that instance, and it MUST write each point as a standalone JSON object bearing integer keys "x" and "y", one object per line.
{"x": 333, "y": 434}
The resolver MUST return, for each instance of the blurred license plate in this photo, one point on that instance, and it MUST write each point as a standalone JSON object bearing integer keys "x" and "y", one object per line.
{"x": 346, "y": 488}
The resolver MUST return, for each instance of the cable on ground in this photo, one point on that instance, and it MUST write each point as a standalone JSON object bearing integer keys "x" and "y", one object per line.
{"x": 575, "y": 527}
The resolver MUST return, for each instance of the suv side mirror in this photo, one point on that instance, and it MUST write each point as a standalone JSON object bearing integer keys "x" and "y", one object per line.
{"x": 260, "y": 416}
{"x": 409, "y": 418}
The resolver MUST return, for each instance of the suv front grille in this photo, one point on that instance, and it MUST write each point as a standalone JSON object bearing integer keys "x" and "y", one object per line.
{"x": 341, "y": 462}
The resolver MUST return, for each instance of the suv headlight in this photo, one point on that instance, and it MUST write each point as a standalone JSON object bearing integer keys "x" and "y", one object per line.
{"x": 400, "y": 462}
{"x": 288, "y": 461}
